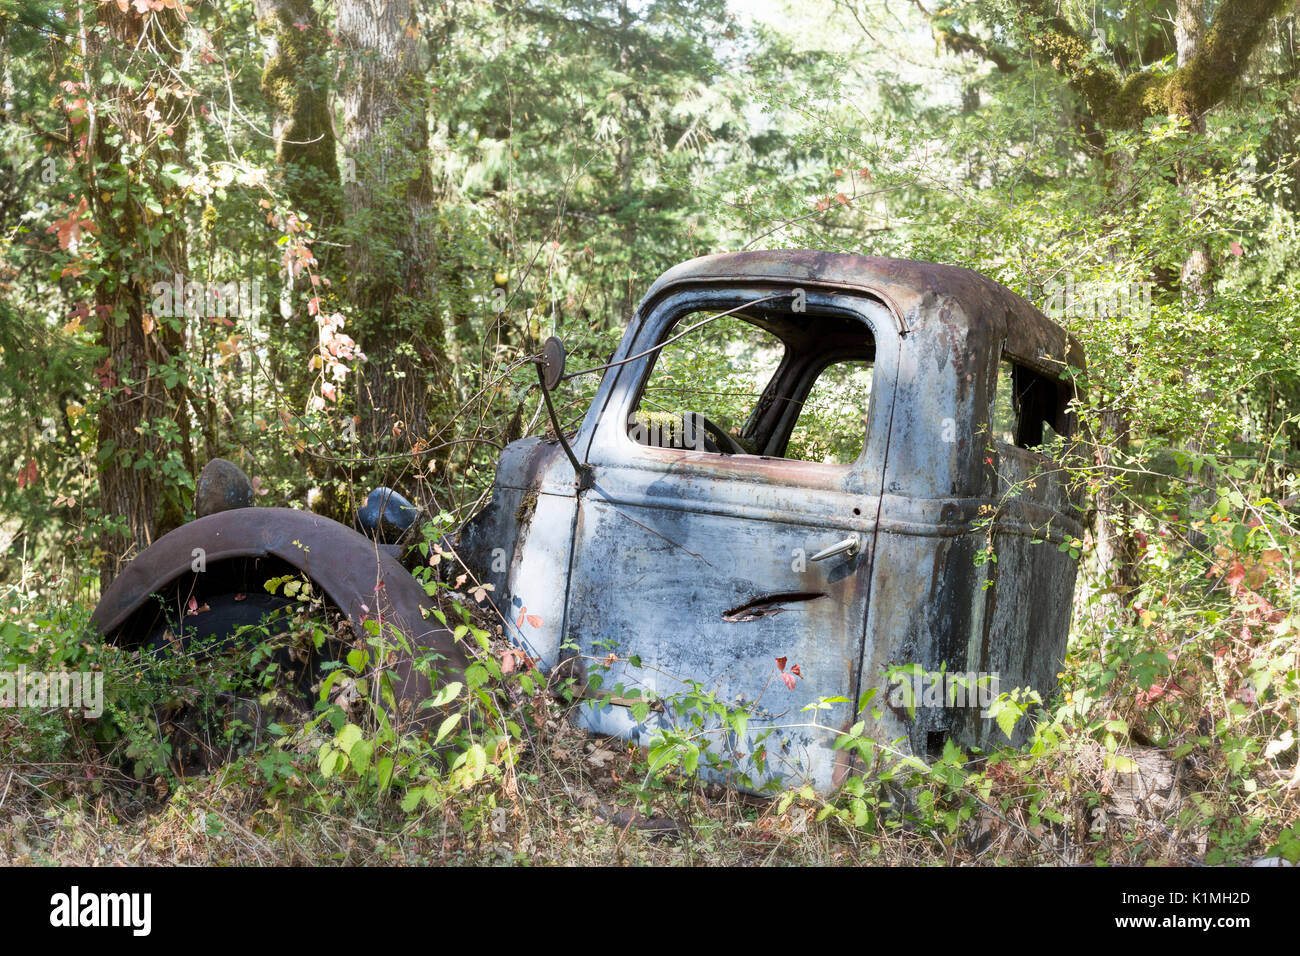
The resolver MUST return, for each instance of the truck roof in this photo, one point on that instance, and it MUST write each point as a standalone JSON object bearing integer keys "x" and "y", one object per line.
{"x": 926, "y": 299}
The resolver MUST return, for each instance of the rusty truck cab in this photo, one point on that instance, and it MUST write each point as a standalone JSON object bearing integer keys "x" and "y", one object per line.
{"x": 925, "y": 532}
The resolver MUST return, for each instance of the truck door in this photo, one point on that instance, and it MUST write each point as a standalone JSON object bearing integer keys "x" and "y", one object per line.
{"x": 725, "y": 542}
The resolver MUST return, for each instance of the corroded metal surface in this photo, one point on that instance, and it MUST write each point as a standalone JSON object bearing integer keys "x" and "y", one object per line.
{"x": 694, "y": 565}
{"x": 919, "y": 294}
{"x": 359, "y": 578}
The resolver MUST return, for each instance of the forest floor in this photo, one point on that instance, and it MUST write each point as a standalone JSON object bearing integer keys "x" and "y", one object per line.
{"x": 573, "y": 802}
{"x": 238, "y": 788}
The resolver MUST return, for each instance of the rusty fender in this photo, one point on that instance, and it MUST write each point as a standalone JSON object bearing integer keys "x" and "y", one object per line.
{"x": 359, "y": 578}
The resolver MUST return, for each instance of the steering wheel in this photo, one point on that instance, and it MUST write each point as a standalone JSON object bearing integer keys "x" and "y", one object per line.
{"x": 716, "y": 440}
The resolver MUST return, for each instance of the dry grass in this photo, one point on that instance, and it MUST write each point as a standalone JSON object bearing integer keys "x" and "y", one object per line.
{"x": 570, "y": 800}
{"x": 568, "y": 804}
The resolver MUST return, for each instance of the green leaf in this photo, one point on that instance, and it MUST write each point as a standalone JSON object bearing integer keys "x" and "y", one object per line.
{"x": 476, "y": 676}
{"x": 447, "y": 726}
{"x": 1121, "y": 764}
{"x": 330, "y": 758}
{"x": 1006, "y": 717}
{"x": 691, "y": 760}
{"x": 446, "y": 694}
{"x": 361, "y": 753}
{"x": 348, "y": 736}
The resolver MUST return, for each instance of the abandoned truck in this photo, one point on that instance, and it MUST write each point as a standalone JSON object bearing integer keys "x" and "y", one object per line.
{"x": 866, "y": 497}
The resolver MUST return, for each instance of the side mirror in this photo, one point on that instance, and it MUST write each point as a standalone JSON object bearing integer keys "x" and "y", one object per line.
{"x": 553, "y": 356}
{"x": 550, "y": 370}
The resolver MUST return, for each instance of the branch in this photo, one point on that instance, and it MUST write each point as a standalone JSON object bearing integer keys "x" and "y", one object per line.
{"x": 1217, "y": 67}
{"x": 1071, "y": 56}
{"x": 1189, "y": 91}
{"x": 960, "y": 42}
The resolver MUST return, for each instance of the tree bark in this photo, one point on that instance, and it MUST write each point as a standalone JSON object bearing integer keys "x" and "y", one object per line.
{"x": 391, "y": 223}
{"x": 1201, "y": 80}
{"x": 137, "y": 342}
{"x": 296, "y": 84}
{"x": 1197, "y": 279}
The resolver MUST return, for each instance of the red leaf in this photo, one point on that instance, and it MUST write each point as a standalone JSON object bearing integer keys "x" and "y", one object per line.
{"x": 27, "y": 474}
{"x": 534, "y": 620}
{"x": 71, "y": 228}
{"x": 789, "y": 680}
{"x": 507, "y": 662}
{"x": 1157, "y": 691}
{"x": 1235, "y": 248}
{"x": 780, "y": 663}
{"x": 795, "y": 670}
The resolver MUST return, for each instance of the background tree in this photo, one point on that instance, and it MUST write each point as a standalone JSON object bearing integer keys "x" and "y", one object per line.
{"x": 126, "y": 129}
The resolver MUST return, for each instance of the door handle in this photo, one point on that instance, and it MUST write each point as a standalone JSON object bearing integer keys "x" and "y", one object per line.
{"x": 849, "y": 545}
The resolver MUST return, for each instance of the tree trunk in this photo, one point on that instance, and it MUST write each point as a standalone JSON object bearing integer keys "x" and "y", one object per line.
{"x": 296, "y": 84}
{"x": 1196, "y": 277}
{"x": 391, "y": 210}
{"x": 145, "y": 499}
{"x": 1116, "y": 551}
{"x": 1197, "y": 280}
